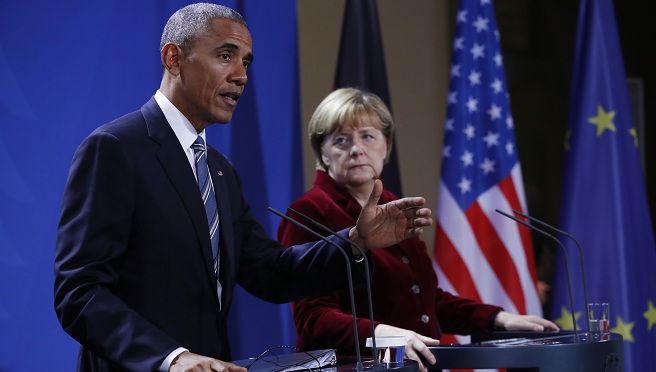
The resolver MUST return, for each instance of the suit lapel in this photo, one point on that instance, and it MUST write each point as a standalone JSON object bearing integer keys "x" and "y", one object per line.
{"x": 174, "y": 162}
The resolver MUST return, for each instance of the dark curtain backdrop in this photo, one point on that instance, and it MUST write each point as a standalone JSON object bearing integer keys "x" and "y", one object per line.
{"x": 68, "y": 67}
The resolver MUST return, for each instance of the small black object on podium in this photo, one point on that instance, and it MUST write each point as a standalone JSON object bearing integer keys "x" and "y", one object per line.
{"x": 321, "y": 360}
{"x": 533, "y": 351}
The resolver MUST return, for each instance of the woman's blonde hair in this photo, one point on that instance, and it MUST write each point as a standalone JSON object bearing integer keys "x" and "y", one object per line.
{"x": 347, "y": 105}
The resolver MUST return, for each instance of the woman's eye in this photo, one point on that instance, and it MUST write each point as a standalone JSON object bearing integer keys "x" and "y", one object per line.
{"x": 342, "y": 141}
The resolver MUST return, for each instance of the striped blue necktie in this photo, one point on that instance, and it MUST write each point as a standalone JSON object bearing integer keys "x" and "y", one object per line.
{"x": 207, "y": 192}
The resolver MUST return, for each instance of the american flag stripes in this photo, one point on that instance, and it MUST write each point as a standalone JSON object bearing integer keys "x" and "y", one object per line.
{"x": 480, "y": 254}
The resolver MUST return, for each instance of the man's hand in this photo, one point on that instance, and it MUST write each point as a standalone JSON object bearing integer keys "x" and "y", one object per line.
{"x": 514, "y": 322}
{"x": 190, "y": 362}
{"x": 416, "y": 345}
{"x": 381, "y": 226}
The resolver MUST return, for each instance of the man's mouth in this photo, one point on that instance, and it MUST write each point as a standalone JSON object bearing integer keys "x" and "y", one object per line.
{"x": 231, "y": 98}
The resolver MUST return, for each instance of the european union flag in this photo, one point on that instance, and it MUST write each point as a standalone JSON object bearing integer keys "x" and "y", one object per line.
{"x": 604, "y": 199}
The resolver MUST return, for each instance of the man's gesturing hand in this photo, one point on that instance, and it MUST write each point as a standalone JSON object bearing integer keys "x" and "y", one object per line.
{"x": 381, "y": 226}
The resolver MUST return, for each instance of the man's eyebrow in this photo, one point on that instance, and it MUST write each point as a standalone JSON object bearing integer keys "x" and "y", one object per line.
{"x": 232, "y": 46}
{"x": 249, "y": 58}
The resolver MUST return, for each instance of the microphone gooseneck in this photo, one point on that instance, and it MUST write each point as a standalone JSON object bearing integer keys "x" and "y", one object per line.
{"x": 360, "y": 366}
{"x": 569, "y": 283}
{"x": 366, "y": 271}
{"x": 585, "y": 291}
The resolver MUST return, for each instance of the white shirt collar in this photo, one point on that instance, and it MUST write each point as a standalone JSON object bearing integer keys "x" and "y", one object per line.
{"x": 182, "y": 127}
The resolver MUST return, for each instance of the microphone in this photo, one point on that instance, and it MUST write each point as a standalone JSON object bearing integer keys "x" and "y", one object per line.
{"x": 367, "y": 276}
{"x": 585, "y": 291}
{"x": 569, "y": 282}
{"x": 359, "y": 365}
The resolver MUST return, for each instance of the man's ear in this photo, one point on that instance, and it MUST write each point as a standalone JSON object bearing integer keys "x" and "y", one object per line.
{"x": 171, "y": 54}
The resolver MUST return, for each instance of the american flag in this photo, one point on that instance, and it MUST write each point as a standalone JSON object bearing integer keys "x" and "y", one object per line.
{"x": 480, "y": 254}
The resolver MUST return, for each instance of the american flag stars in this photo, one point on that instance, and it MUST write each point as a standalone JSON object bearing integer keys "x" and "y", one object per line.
{"x": 479, "y": 130}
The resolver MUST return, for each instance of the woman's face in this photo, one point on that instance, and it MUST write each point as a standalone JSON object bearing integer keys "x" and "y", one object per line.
{"x": 355, "y": 153}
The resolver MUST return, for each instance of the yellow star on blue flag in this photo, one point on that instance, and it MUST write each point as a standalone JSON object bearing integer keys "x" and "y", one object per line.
{"x": 565, "y": 321}
{"x": 650, "y": 315}
{"x": 603, "y": 120}
{"x": 634, "y": 133}
{"x": 624, "y": 329}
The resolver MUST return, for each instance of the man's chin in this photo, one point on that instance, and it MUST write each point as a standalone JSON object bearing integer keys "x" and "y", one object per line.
{"x": 223, "y": 118}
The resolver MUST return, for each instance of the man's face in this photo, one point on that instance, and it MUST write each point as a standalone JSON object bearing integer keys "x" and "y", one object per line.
{"x": 213, "y": 73}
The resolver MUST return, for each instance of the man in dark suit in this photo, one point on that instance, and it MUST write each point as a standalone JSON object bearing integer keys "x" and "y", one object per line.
{"x": 138, "y": 281}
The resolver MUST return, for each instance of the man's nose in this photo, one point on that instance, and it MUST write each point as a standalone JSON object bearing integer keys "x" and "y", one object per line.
{"x": 238, "y": 75}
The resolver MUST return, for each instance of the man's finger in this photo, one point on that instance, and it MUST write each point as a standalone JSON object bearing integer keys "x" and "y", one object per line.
{"x": 376, "y": 192}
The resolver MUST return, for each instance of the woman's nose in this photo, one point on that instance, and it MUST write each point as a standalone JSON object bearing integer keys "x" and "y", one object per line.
{"x": 356, "y": 149}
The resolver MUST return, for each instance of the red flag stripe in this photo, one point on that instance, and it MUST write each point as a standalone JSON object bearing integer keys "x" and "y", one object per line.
{"x": 459, "y": 232}
{"x": 513, "y": 235}
{"x": 449, "y": 257}
{"x": 508, "y": 188}
{"x": 497, "y": 255}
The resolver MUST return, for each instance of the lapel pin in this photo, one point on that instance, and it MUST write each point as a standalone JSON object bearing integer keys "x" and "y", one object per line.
{"x": 219, "y": 173}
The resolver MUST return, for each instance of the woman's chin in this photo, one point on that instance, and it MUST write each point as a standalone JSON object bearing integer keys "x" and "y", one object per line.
{"x": 361, "y": 181}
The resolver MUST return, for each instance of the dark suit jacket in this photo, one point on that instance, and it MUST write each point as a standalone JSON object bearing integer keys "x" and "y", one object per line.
{"x": 133, "y": 265}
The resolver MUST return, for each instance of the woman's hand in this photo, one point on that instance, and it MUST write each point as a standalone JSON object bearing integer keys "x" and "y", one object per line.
{"x": 415, "y": 345}
{"x": 514, "y": 322}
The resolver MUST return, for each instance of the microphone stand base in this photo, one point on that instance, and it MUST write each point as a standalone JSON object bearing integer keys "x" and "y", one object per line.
{"x": 368, "y": 365}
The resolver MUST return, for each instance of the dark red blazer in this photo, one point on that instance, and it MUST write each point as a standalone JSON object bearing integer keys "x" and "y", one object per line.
{"x": 405, "y": 292}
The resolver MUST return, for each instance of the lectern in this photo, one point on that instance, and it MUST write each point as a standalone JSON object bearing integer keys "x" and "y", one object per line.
{"x": 532, "y": 352}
